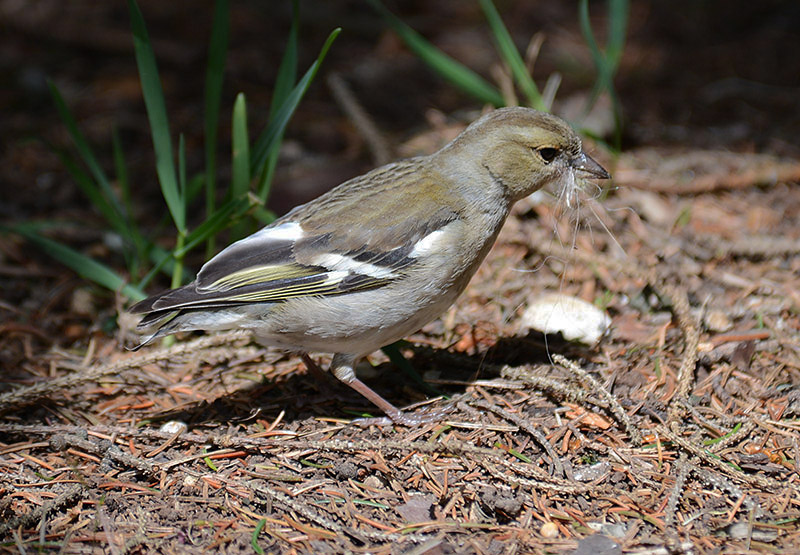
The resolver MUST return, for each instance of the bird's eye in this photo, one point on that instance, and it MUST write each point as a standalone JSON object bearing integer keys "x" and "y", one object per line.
{"x": 548, "y": 154}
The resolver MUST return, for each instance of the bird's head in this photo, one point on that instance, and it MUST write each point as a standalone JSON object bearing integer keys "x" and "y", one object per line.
{"x": 524, "y": 150}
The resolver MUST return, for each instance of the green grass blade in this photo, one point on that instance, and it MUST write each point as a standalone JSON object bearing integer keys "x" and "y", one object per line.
{"x": 254, "y": 538}
{"x": 83, "y": 265}
{"x": 221, "y": 219}
{"x": 240, "y": 155}
{"x": 240, "y": 160}
{"x": 512, "y": 56}
{"x": 163, "y": 261}
{"x": 93, "y": 193}
{"x": 598, "y": 59}
{"x": 182, "y": 166}
{"x": 157, "y": 115}
{"x": 132, "y": 240}
{"x": 618, "y": 11}
{"x": 606, "y": 63}
{"x": 287, "y": 74}
{"x": 133, "y": 243}
{"x": 177, "y": 271}
{"x": 444, "y": 65}
{"x": 227, "y": 213}
{"x": 112, "y": 208}
{"x": 194, "y": 186}
{"x": 141, "y": 244}
{"x": 97, "y": 187}
{"x": 586, "y": 30}
{"x": 217, "y": 52}
{"x": 180, "y": 237}
{"x": 263, "y": 215}
{"x": 269, "y": 138}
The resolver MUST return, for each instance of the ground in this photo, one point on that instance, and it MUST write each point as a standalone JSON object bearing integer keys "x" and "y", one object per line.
{"x": 677, "y": 432}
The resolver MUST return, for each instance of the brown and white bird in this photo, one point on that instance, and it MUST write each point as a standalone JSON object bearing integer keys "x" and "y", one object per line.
{"x": 379, "y": 256}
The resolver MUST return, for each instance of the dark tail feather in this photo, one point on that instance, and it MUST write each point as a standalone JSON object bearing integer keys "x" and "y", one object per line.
{"x": 162, "y": 319}
{"x": 155, "y": 318}
{"x": 182, "y": 298}
{"x": 160, "y": 312}
{"x": 146, "y": 305}
{"x": 169, "y": 299}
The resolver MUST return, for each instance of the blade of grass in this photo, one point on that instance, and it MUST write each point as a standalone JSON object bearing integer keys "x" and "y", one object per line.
{"x": 163, "y": 261}
{"x": 115, "y": 209}
{"x": 512, "y": 56}
{"x": 588, "y": 33}
{"x": 83, "y": 265}
{"x": 240, "y": 160}
{"x": 157, "y": 116}
{"x": 182, "y": 166}
{"x": 277, "y": 125}
{"x": 98, "y": 190}
{"x": 194, "y": 186}
{"x": 177, "y": 271}
{"x": 217, "y": 52}
{"x": 287, "y": 71}
{"x": 444, "y": 65}
{"x": 133, "y": 243}
{"x": 254, "y": 538}
{"x": 227, "y": 213}
{"x": 141, "y": 245}
{"x": 240, "y": 151}
{"x": 287, "y": 74}
{"x": 606, "y": 63}
{"x": 263, "y": 215}
{"x": 618, "y": 12}
{"x": 93, "y": 193}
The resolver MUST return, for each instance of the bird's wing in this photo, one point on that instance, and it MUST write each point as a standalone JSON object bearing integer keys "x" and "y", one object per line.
{"x": 304, "y": 254}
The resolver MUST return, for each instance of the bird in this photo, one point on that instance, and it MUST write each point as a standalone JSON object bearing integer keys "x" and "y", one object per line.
{"x": 380, "y": 255}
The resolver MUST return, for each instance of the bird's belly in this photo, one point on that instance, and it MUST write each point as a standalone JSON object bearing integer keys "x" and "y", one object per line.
{"x": 356, "y": 323}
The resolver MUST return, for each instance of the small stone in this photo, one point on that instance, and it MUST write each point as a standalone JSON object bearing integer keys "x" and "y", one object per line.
{"x": 549, "y": 530}
{"x": 574, "y": 318}
{"x": 173, "y": 427}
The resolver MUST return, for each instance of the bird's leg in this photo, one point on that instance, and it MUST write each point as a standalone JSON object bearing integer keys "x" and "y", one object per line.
{"x": 343, "y": 367}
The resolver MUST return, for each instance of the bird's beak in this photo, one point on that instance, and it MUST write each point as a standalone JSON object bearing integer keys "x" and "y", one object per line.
{"x": 585, "y": 164}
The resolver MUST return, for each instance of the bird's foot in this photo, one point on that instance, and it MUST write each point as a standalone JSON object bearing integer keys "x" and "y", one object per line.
{"x": 403, "y": 418}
